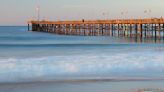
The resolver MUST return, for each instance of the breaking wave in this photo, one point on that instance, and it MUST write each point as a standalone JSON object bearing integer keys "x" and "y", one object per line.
{"x": 134, "y": 64}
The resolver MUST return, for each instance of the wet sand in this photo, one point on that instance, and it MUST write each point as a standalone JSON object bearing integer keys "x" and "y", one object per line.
{"x": 86, "y": 86}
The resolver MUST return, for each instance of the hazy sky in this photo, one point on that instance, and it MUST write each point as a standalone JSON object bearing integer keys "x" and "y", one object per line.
{"x": 18, "y": 12}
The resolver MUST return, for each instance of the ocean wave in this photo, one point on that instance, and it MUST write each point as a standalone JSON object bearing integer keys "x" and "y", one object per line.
{"x": 134, "y": 64}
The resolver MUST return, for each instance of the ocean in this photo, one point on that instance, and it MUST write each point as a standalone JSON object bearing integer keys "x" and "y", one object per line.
{"x": 46, "y": 62}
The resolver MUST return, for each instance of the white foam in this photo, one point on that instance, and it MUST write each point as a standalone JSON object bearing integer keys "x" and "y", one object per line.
{"x": 129, "y": 64}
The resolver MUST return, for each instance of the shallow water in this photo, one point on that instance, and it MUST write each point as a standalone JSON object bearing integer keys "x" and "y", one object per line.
{"x": 27, "y": 56}
{"x": 127, "y": 86}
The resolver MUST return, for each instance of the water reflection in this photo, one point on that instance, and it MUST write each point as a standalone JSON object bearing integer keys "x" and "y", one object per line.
{"x": 144, "y": 40}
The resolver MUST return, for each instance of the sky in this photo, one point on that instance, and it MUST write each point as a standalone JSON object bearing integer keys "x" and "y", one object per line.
{"x": 18, "y": 12}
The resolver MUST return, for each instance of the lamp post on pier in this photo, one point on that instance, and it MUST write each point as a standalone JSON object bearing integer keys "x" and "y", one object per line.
{"x": 37, "y": 10}
{"x": 105, "y": 15}
{"x": 147, "y": 13}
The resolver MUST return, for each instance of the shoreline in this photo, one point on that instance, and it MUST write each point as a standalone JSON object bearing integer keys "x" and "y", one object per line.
{"x": 87, "y": 80}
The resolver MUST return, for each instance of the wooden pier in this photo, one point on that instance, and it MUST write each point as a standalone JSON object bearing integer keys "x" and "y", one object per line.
{"x": 143, "y": 28}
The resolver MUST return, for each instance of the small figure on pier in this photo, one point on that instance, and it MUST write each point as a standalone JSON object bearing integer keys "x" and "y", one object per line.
{"x": 82, "y": 20}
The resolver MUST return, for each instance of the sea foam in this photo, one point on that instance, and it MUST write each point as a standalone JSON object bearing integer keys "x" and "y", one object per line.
{"x": 131, "y": 64}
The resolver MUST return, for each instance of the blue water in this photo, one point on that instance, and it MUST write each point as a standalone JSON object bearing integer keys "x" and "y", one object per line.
{"x": 27, "y": 56}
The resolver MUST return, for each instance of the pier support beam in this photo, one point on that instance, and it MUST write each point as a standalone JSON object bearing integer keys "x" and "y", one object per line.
{"x": 130, "y": 30}
{"x": 149, "y": 33}
{"x": 136, "y": 30}
{"x": 152, "y": 28}
{"x": 140, "y": 30}
{"x": 53, "y": 28}
{"x": 163, "y": 30}
{"x": 84, "y": 26}
{"x": 28, "y": 27}
{"x": 93, "y": 29}
{"x": 109, "y": 29}
{"x": 145, "y": 26}
{"x": 159, "y": 31}
{"x": 155, "y": 31}
{"x": 118, "y": 28}
{"x": 112, "y": 30}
